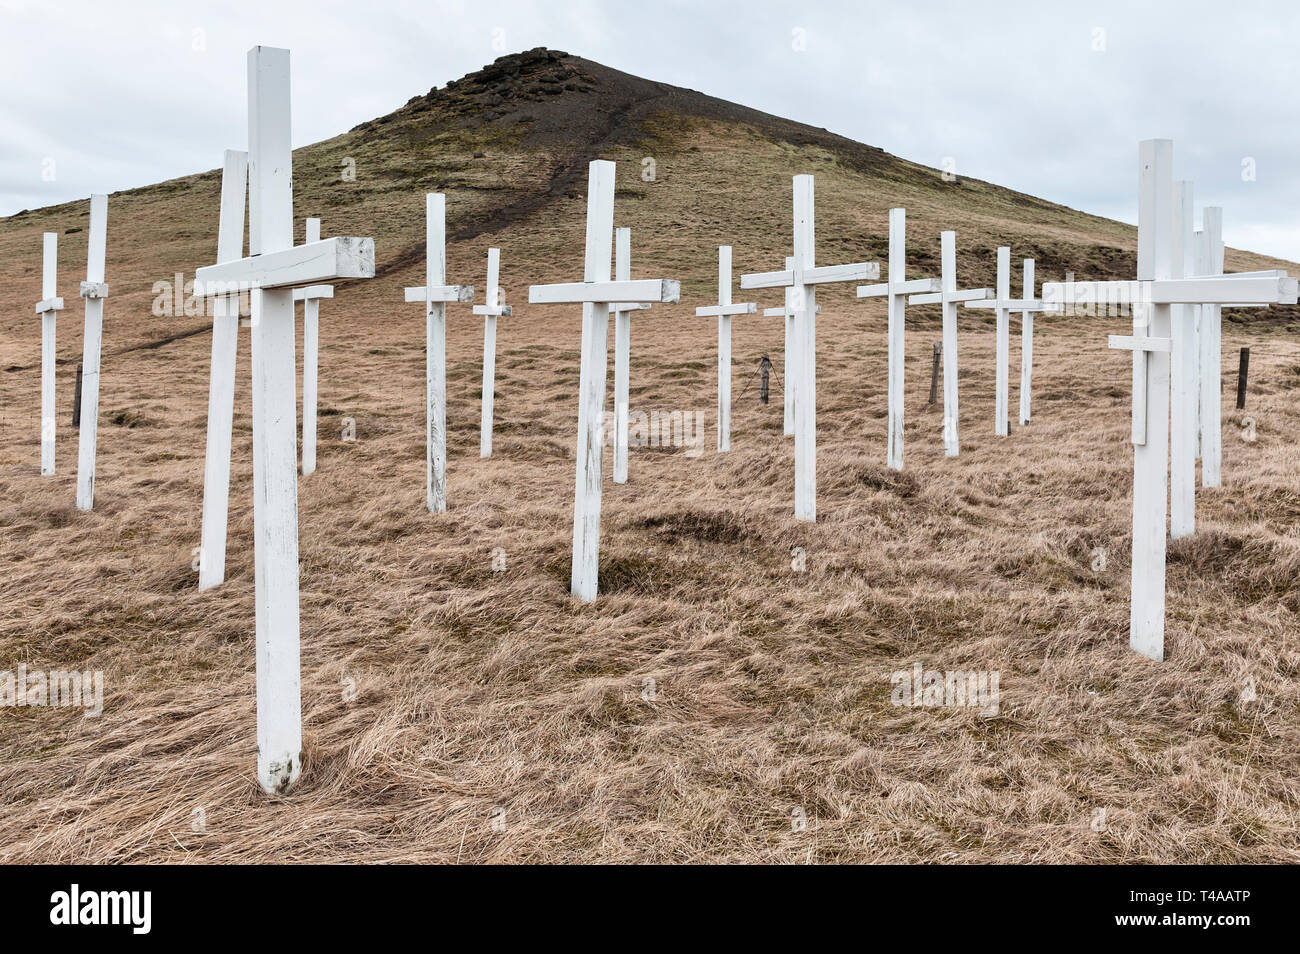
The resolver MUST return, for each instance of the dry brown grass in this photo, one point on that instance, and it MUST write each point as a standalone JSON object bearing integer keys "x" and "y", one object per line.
{"x": 482, "y": 691}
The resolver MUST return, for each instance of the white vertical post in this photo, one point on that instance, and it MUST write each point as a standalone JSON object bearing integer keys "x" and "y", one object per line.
{"x": 948, "y": 276}
{"x": 1151, "y": 456}
{"x": 435, "y": 331}
{"x": 92, "y": 346}
{"x": 724, "y": 349}
{"x": 790, "y": 365}
{"x": 491, "y": 299}
{"x": 591, "y": 386}
{"x": 1182, "y": 412}
{"x": 310, "y": 365}
{"x": 1211, "y": 358}
{"x": 622, "y": 356}
{"x": 805, "y": 353}
{"x": 1001, "y": 425}
{"x": 1026, "y": 345}
{"x": 275, "y": 465}
{"x": 221, "y": 384}
{"x": 897, "y": 329}
{"x": 49, "y": 284}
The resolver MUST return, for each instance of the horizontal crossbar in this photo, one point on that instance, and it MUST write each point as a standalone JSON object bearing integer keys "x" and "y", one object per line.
{"x": 907, "y": 287}
{"x": 785, "y": 312}
{"x": 1131, "y": 343}
{"x": 309, "y": 264}
{"x": 49, "y": 304}
{"x": 1015, "y": 304}
{"x": 1217, "y": 290}
{"x": 94, "y": 289}
{"x": 819, "y": 275}
{"x": 313, "y": 291}
{"x": 722, "y": 311}
{"x": 938, "y": 298}
{"x": 493, "y": 311}
{"x": 438, "y": 293}
{"x": 665, "y": 290}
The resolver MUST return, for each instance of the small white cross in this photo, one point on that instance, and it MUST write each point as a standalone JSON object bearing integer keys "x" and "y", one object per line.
{"x": 622, "y": 351}
{"x": 310, "y": 298}
{"x": 723, "y": 311}
{"x": 495, "y": 308}
{"x": 48, "y": 308}
{"x": 788, "y": 311}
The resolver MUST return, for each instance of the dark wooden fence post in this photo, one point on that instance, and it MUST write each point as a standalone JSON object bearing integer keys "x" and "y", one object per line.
{"x": 76, "y": 400}
{"x": 764, "y": 368}
{"x": 934, "y": 373}
{"x": 1242, "y": 370}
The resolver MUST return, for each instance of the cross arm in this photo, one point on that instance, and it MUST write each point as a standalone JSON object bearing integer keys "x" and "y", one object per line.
{"x": 1215, "y": 290}
{"x": 628, "y": 305}
{"x": 440, "y": 293}
{"x": 94, "y": 289}
{"x": 49, "y": 304}
{"x": 339, "y": 257}
{"x": 1136, "y": 343}
{"x": 783, "y": 312}
{"x": 313, "y": 291}
{"x": 663, "y": 290}
{"x": 819, "y": 275}
{"x": 911, "y": 286}
{"x": 720, "y": 311}
{"x": 493, "y": 311}
{"x": 1016, "y": 304}
{"x": 938, "y": 298}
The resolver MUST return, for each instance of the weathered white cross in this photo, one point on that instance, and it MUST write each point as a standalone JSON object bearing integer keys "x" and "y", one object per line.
{"x": 275, "y": 267}
{"x": 895, "y": 292}
{"x": 494, "y": 308}
{"x": 48, "y": 308}
{"x": 596, "y": 293}
{"x": 221, "y": 384}
{"x": 787, "y": 311}
{"x": 94, "y": 290}
{"x": 622, "y": 350}
{"x": 1004, "y": 305}
{"x": 435, "y": 294}
{"x": 948, "y": 296}
{"x": 1210, "y": 262}
{"x": 310, "y": 298}
{"x": 1152, "y": 295}
{"x": 803, "y": 277}
{"x": 723, "y": 311}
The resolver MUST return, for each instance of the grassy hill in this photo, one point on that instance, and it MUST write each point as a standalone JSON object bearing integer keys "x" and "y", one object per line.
{"x": 714, "y": 693}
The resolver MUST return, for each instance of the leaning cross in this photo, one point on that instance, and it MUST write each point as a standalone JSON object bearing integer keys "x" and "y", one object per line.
{"x": 275, "y": 267}
{"x": 490, "y": 312}
{"x": 895, "y": 292}
{"x": 948, "y": 296}
{"x": 723, "y": 310}
{"x": 1152, "y": 296}
{"x": 596, "y": 293}
{"x": 1004, "y": 305}
{"x": 94, "y": 291}
{"x": 435, "y": 294}
{"x": 787, "y": 311}
{"x": 48, "y": 308}
{"x": 310, "y": 298}
{"x": 622, "y": 350}
{"x": 803, "y": 276}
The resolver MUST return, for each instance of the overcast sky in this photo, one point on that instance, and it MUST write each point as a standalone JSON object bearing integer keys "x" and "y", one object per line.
{"x": 100, "y": 96}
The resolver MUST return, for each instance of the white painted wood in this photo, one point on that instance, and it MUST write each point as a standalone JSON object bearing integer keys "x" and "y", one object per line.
{"x": 1182, "y": 370}
{"x": 592, "y": 375}
{"x": 442, "y": 293}
{"x": 297, "y": 265}
{"x": 221, "y": 380}
{"x": 663, "y": 290}
{"x": 310, "y": 362}
{"x": 723, "y": 311}
{"x": 1001, "y": 426}
{"x": 1212, "y": 358}
{"x": 48, "y": 308}
{"x": 92, "y": 348}
{"x": 1244, "y": 289}
{"x": 1027, "y": 346}
{"x": 490, "y": 310}
{"x": 819, "y": 275}
{"x": 313, "y": 291}
{"x": 435, "y": 336}
{"x": 622, "y": 355}
{"x": 788, "y": 311}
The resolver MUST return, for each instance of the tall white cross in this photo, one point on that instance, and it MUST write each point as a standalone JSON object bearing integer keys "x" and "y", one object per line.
{"x": 310, "y": 298}
{"x": 1210, "y": 262}
{"x": 948, "y": 296}
{"x": 494, "y": 308}
{"x": 1152, "y": 295}
{"x": 1027, "y": 345}
{"x": 94, "y": 290}
{"x": 435, "y": 294}
{"x": 48, "y": 308}
{"x": 622, "y": 350}
{"x": 723, "y": 311}
{"x": 895, "y": 292}
{"x": 596, "y": 293}
{"x": 275, "y": 267}
{"x": 787, "y": 311}
{"x": 221, "y": 383}
{"x": 803, "y": 276}
{"x": 1004, "y": 305}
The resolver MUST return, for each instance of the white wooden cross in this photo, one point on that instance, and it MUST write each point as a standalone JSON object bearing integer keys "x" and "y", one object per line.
{"x": 895, "y": 292}
{"x": 221, "y": 384}
{"x": 435, "y": 294}
{"x": 94, "y": 290}
{"x": 596, "y": 293}
{"x": 310, "y": 298}
{"x": 1004, "y": 305}
{"x": 787, "y": 311}
{"x": 948, "y": 296}
{"x": 1027, "y": 345}
{"x": 622, "y": 350}
{"x": 1210, "y": 262}
{"x": 1152, "y": 295}
{"x": 723, "y": 310}
{"x": 803, "y": 276}
{"x": 48, "y": 308}
{"x": 275, "y": 267}
{"x": 495, "y": 307}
